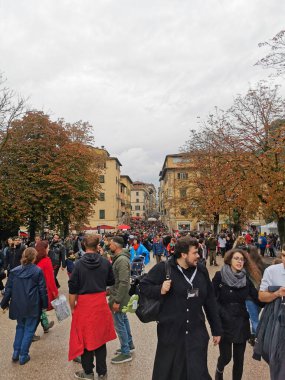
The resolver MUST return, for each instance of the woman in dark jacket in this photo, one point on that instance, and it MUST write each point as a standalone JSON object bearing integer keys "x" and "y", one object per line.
{"x": 232, "y": 288}
{"x": 26, "y": 296}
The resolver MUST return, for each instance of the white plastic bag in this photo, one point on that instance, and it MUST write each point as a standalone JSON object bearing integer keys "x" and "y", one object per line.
{"x": 61, "y": 308}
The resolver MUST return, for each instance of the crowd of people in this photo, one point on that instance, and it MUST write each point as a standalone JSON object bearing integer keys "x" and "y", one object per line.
{"x": 99, "y": 270}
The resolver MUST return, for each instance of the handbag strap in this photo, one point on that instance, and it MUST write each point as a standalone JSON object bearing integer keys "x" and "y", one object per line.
{"x": 167, "y": 269}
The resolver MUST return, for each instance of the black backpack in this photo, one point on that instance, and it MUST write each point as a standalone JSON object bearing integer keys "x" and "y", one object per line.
{"x": 148, "y": 308}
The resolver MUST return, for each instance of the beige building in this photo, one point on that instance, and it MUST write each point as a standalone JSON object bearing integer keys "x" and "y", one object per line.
{"x": 143, "y": 200}
{"x": 125, "y": 196}
{"x": 171, "y": 191}
{"x": 107, "y": 210}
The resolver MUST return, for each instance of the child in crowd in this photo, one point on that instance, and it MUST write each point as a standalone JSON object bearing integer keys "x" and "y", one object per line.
{"x": 70, "y": 260}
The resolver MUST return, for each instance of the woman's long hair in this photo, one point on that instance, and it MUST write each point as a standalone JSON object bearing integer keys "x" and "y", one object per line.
{"x": 256, "y": 258}
{"x": 255, "y": 265}
{"x": 41, "y": 249}
{"x": 28, "y": 256}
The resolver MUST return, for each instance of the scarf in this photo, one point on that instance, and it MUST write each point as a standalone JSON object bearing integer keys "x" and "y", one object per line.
{"x": 136, "y": 246}
{"x": 233, "y": 279}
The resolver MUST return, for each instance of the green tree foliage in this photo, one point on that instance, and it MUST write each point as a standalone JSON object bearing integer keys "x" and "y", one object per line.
{"x": 49, "y": 172}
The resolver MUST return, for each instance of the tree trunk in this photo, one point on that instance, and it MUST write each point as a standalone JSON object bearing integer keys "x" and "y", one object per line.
{"x": 281, "y": 229}
{"x": 236, "y": 221}
{"x": 216, "y": 222}
{"x": 32, "y": 229}
{"x": 65, "y": 227}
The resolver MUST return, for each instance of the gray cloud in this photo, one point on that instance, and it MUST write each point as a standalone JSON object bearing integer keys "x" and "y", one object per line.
{"x": 140, "y": 71}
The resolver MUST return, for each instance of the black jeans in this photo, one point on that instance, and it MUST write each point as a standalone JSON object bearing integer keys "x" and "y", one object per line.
{"x": 87, "y": 359}
{"x": 226, "y": 348}
{"x": 55, "y": 271}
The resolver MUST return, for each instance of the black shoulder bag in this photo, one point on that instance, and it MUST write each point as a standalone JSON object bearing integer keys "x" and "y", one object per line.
{"x": 148, "y": 308}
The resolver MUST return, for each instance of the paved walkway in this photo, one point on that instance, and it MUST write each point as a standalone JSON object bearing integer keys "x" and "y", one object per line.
{"x": 49, "y": 355}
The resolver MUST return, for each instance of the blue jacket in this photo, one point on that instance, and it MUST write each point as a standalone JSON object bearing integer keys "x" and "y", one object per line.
{"x": 141, "y": 251}
{"x": 263, "y": 242}
{"x": 158, "y": 248}
{"x": 26, "y": 292}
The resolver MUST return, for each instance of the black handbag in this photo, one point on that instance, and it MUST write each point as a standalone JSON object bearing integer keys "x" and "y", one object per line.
{"x": 148, "y": 308}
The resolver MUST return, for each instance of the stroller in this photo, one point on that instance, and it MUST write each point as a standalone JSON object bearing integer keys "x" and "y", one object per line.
{"x": 137, "y": 272}
{"x": 137, "y": 266}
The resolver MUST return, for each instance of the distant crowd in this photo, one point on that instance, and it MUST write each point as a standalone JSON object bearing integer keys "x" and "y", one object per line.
{"x": 108, "y": 278}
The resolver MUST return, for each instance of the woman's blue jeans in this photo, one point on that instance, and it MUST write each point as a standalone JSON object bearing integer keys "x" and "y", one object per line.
{"x": 123, "y": 331}
{"x": 253, "y": 311}
{"x": 25, "y": 330}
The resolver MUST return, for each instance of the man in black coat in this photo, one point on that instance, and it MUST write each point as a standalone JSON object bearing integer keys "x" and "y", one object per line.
{"x": 182, "y": 335}
{"x": 57, "y": 256}
{"x": 14, "y": 254}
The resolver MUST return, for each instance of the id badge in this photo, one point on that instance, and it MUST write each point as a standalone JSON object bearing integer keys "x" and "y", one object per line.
{"x": 192, "y": 293}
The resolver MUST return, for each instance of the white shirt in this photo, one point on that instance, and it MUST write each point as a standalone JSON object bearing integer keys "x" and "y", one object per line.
{"x": 273, "y": 276}
{"x": 222, "y": 242}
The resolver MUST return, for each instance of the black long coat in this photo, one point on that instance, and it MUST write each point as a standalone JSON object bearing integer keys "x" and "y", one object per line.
{"x": 232, "y": 308}
{"x": 182, "y": 335}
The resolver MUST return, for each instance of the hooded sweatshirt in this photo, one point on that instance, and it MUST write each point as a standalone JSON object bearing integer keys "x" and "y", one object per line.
{"x": 91, "y": 274}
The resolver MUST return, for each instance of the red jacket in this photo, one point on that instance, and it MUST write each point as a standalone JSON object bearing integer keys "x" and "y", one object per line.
{"x": 46, "y": 266}
{"x": 92, "y": 324}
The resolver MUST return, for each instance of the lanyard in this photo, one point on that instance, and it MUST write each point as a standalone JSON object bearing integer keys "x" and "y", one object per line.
{"x": 190, "y": 281}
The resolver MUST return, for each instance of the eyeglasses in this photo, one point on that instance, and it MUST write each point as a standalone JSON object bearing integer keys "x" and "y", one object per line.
{"x": 241, "y": 259}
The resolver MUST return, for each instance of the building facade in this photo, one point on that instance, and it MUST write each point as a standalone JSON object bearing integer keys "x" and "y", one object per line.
{"x": 143, "y": 200}
{"x": 171, "y": 193}
{"x": 125, "y": 196}
{"x": 107, "y": 210}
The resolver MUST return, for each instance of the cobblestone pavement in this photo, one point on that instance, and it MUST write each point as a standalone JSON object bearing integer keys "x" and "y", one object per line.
{"x": 49, "y": 355}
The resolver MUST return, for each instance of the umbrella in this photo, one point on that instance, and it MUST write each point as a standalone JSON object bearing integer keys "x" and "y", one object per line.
{"x": 124, "y": 227}
{"x": 105, "y": 227}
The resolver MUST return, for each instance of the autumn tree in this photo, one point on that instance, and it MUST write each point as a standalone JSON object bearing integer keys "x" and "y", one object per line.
{"x": 217, "y": 184}
{"x": 257, "y": 120}
{"x": 49, "y": 172}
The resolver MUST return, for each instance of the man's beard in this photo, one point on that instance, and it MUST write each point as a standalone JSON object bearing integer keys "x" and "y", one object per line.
{"x": 190, "y": 263}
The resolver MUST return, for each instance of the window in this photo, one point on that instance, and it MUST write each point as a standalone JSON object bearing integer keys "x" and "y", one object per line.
{"x": 137, "y": 193}
{"x": 101, "y": 214}
{"x": 101, "y": 196}
{"x": 137, "y": 214}
{"x": 182, "y": 193}
{"x": 101, "y": 178}
{"x": 184, "y": 226}
{"x": 182, "y": 175}
{"x": 143, "y": 207}
{"x": 137, "y": 201}
{"x": 137, "y": 207}
{"x": 177, "y": 160}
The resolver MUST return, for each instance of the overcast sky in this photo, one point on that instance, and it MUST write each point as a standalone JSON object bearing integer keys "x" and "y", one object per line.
{"x": 140, "y": 71}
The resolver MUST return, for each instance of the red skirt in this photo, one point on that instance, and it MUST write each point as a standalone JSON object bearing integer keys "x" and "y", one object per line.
{"x": 92, "y": 324}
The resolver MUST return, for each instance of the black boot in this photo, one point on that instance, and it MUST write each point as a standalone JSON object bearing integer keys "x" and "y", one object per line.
{"x": 219, "y": 375}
